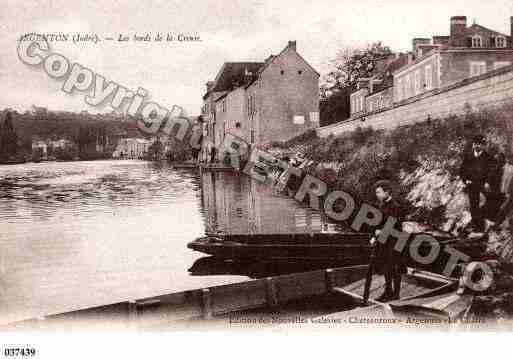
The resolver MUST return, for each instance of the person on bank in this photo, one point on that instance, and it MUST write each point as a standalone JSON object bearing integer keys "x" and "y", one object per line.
{"x": 480, "y": 174}
{"x": 389, "y": 262}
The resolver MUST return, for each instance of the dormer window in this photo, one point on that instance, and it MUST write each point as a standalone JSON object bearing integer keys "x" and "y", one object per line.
{"x": 477, "y": 41}
{"x": 500, "y": 41}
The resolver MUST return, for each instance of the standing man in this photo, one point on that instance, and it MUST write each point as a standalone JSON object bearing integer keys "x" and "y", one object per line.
{"x": 390, "y": 262}
{"x": 476, "y": 171}
{"x": 213, "y": 153}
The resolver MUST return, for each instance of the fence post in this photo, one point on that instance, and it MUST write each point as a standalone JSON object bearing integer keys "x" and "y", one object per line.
{"x": 207, "y": 303}
{"x": 270, "y": 289}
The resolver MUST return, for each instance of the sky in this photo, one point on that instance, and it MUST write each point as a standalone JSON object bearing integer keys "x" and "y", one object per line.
{"x": 175, "y": 73}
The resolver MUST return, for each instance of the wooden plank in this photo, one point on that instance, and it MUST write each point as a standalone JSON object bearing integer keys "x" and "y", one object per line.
{"x": 344, "y": 276}
{"x": 444, "y": 302}
{"x": 354, "y": 287}
{"x": 378, "y": 282}
{"x": 239, "y": 296}
{"x": 409, "y": 290}
{"x": 170, "y": 307}
{"x": 377, "y": 289}
{"x": 301, "y": 285}
{"x": 356, "y": 297}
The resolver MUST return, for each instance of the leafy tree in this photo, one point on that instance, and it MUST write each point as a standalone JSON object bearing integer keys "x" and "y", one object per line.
{"x": 347, "y": 68}
{"x": 8, "y": 138}
{"x": 352, "y": 64}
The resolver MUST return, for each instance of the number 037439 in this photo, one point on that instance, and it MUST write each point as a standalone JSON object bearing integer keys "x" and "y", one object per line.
{"x": 19, "y": 352}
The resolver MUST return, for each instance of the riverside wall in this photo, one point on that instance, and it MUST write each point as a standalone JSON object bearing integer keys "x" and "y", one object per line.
{"x": 492, "y": 89}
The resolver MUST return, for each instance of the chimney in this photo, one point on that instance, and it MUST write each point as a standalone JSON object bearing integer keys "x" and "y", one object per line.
{"x": 458, "y": 29}
{"x": 410, "y": 58}
{"x": 440, "y": 40}
{"x": 419, "y": 41}
{"x": 292, "y": 45}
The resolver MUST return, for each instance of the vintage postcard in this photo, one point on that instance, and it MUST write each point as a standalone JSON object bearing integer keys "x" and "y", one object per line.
{"x": 294, "y": 166}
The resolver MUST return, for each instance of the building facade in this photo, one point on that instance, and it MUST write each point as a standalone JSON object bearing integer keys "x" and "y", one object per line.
{"x": 132, "y": 148}
{"x": 436, "y": 63}
{"x": 261, "y": 102}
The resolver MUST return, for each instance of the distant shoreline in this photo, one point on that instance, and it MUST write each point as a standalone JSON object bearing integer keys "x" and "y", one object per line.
{"x": 85, "y": 160}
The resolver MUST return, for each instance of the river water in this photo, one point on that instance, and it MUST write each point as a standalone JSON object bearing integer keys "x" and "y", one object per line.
{"x": 80, "y": 234}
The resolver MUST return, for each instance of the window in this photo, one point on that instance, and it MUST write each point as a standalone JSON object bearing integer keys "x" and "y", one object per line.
{"x": 314, "y": 116}
{"x": 429, "y": 77}
{"x": 299, "y": 120}
{"x": 407, "y": 86}
{"x": 251, "y": 106}
{"x": 477, "y": 41}
{"x": 499, "y": 64}
{"x": 500, "y": 41}
{"x": 477, "y": 68}
{"x": 418, "y": 88}
{"x": 299, "y": 72}
{"x": 282, "y": 72}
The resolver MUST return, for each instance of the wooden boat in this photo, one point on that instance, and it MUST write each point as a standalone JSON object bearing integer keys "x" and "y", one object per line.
{"x": 330, "y": 293}
{"x": 338, "y": 248}
{"x": 204, "y": 167}
{"x": 217, "y": 168}
{"x": 13, "y": 162}
{"x": 185, "y": 165}
{"x": 423, "y": 295}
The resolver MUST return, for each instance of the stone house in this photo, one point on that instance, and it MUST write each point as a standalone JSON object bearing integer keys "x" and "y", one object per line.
{"x": 437, "y": 63}
{"x": 132, "y": 148}
{"x": 273, "y": 100}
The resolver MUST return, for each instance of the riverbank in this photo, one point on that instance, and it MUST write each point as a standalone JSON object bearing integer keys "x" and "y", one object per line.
{"x": 423, "y": 159}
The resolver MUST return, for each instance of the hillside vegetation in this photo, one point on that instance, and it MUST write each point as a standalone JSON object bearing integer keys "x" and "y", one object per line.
{"x": 422, "y": 159}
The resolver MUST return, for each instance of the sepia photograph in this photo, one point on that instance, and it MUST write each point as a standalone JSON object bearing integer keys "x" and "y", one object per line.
{"x": 184, "y": 169}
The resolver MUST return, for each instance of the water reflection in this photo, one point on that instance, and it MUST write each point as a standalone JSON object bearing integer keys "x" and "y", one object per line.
{"x": 83, "y": 234}
{"x": 237, "y": 204}
{"x": 211, "y": 266}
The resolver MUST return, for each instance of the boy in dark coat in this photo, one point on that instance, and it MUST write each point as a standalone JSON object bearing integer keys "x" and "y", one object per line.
{"x": 390, "y": 262}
